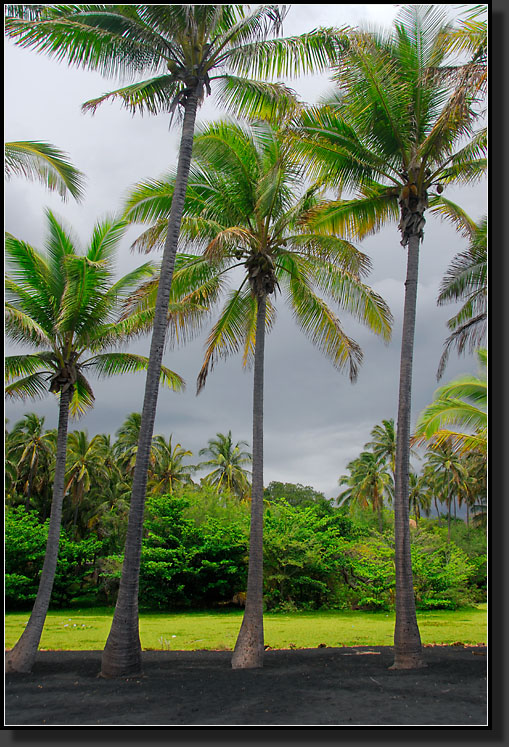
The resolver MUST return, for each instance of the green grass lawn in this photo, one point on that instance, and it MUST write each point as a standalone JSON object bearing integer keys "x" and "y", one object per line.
{"x": 87, "y": 629}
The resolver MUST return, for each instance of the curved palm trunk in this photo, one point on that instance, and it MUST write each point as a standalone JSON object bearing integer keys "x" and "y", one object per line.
{"x": 248, "y": 652}
{"x": 122, "y": 652}
{"x": 21, "y": 658}
{"x": 407, "y": 641}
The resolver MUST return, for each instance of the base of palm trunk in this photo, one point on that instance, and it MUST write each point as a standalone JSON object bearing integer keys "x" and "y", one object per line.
{"x": 17, "y": 661}
{"x": 249, "y": 650}
{"x": 116, "y": 663}
{"x": 408, "y": 661}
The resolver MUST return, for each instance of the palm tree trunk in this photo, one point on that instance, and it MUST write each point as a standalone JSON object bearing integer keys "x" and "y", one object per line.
{"x": 438, "y": 512}
{"x": 21, "y": 658}
{"x": 122, "y": 652}
{"x": 248, "y": 651}
{"x": 407, "y": 640}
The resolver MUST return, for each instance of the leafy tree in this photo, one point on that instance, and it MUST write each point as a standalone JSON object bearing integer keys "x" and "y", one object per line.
{"x": 246, "y": 207}
{"x": 198, "y": 47}
{"x": 228, "y": 461}
{"x": 298, "y": 495}
{"x": 64, "y": 304}
{"x": 402, "y": 123}
{"x": 45, "y": 163}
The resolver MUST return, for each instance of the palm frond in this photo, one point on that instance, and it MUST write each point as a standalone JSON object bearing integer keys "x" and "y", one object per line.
{"x": 45, "y": 163}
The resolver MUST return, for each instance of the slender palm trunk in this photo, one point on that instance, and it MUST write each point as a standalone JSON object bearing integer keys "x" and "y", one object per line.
{"x": 21, "y": 658}
{"x": 122, "y": 652}
{"x": 407, "y": 641}
{"x": 248, "y": 651}
{"x": 437, "y": 510}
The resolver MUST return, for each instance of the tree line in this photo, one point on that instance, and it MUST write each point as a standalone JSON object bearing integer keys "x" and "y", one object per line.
{"x": 395, "y": 136}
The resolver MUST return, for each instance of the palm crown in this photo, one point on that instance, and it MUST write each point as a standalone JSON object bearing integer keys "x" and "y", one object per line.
{"x": 244, "y": 210}
{"x": 183, "y": 47}
{"x": 65, "y": 305}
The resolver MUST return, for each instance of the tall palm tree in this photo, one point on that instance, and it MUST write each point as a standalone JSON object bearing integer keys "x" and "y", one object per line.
{"x": 45, "y": 163}
{"x": 246, "y": 208}
{"x": 403, "y": 122}
{"x": 187, "y": 50}
{"x": 368, "y": 483}
{"x": 228, "y": 460}
{"x": 168, "y": 471}
{"x": 64, "y": 305}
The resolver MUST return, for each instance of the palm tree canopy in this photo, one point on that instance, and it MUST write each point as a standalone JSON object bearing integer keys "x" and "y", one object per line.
{"x": 228, "y": 460}
{"x": 45, "y": 163}
{"x": 180, "y": 47}
{"x": 246, "y": 209}
{"x": 461, "y": 404}
{"x": 398, "y": 126}
{"x": 466, "y": 280}
{"x": 65, "y": 305}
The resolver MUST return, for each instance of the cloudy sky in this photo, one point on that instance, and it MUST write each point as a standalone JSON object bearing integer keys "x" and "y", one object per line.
{"x": 315, "y": 419}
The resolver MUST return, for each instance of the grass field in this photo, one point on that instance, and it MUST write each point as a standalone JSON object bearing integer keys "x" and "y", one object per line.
{"x": 87, "y": 629}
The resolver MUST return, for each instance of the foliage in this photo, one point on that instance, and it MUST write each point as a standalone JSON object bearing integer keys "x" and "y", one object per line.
{"x": 298, "y": 495}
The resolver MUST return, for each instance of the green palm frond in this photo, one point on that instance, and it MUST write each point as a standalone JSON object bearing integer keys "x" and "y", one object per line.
{"x": 45, "y": 163}
{"x": 111, "y": 364}
{"x": 34, "y": 386}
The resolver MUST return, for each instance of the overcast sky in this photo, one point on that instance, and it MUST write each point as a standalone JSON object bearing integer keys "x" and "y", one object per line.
{"x": 315, "y": 419}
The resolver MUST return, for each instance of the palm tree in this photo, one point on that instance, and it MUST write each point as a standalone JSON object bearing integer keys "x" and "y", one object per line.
{"x": 45, "y": 163}
{"x": 383, "y": 444}
{"x": 450, "y": 475}
{"x": 461, "y": 404}
{"x": 466, "y": 280}
{"x": 63, "y": 304}
{"x": 86, "y": 466}
{"x": 187, "y": 50}
{"x": 246, "y": 208}
{"x": 168, "y": 471}
{"x": 32, "y": 449}
{"x": 228, "y": 461}
{"x": 419, "y": 498}
{"x": 402, "y": 122}
{"x": 367, "y": 482}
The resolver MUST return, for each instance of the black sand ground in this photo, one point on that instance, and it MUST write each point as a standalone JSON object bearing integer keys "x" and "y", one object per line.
{"x": 324, "y": 686}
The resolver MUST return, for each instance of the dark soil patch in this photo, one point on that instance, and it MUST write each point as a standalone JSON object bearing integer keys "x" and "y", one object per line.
{"x": 324, "y": 686}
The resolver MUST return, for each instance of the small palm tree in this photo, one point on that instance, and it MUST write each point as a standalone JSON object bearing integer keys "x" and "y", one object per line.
{"x": 32, "y": 449}
{"x": 228, "y": 461}
{"x": 401, "y": 126}
{"x": 450, "y": 475}
{"x": 45, "y": 163}
{"x": 368, "y": 483}
{"x": 419, "y": 498}
{"x": 64, "y": 305}
{"x": 188, "y": 51}
{"x": 168, "y": 470}
{"x": 246, "y": 209}
{"x": 86, "y": 466}
{"x": 383, "y": 443}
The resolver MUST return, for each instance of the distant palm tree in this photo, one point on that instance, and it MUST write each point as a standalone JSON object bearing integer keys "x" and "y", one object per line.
{"x": 246, "y": 208}
{"x": 419, "y": 498}
{"x": 367, "y": 482}
{"x": 188, "y": 50}
{"x": 228, "y": 461}
{"x": 383, "y": 443}
{"x": 31, "y": 449}
{"x": 449, "y": 475}
{"x": 402, "y": 122}
{"x": 86, "y": 466}
{"x": 64, "y": 305}
{"x": 45, "y": 163}
{"x": 168, "y": 470}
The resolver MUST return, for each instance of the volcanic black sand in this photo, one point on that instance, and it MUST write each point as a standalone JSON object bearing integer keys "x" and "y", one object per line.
{"x": 323, "y": 686}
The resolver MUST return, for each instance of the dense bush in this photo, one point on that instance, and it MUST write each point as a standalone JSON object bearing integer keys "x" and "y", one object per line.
{"x": 195, "y": 552}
